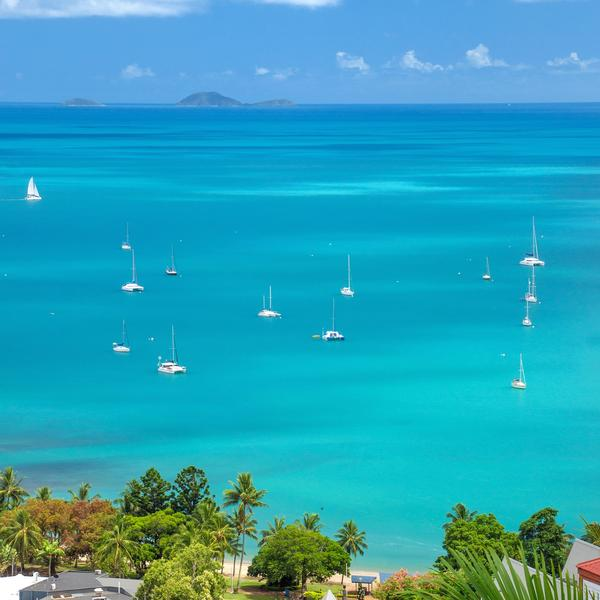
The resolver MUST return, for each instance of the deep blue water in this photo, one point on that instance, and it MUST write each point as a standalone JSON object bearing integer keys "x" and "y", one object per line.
{"x": 414, "y": 412}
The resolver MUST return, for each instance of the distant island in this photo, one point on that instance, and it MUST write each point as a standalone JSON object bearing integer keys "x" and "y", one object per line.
{"x": 81, "y": 102}
{"x": 214, "y": 99}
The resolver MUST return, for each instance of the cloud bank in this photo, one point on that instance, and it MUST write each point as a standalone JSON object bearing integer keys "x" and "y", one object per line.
{"x": 573, "y": 62}
{"x": 480, "y": 58}
{"x": 134, "y": 71}
{"x": 349, "y": 62}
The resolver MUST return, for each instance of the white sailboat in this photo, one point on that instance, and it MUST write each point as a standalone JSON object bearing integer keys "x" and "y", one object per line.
{"x": 133, "y": 285}
{"x": 487, "y": 276}
{"x": 531, "y": 295}
{"x": 32, "y": 191}
{"x": 332, "y": 335}
{"x": 123, "y": 345}
{"x": 171, "y": 270}
{"x": 532, "y": 259}
{"x": 526, "y": 322}
{"x": 171, "y": 367}
{"x": 126, "y": 244}
{"x": 520, "y": 383}
{"x": 347, "y": 290}
{"x": 269, "y": 313}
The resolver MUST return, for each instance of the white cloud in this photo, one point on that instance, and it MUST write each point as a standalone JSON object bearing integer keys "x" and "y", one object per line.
{"x": 48, "y": 9}
{"x": 573, "y": 61}
{"x": 480, "y": 58}
{"x": 277, "y": 74}
{"x": 349, "y": 62}
{"x": 302, "y": 3}
{"x": 134, "y": 71}
{"x": 261, "y": 71}
{"x": 411, "y": 62}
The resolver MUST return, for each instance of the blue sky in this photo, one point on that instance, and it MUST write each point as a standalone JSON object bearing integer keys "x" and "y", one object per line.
{"x": 311, "y": 51}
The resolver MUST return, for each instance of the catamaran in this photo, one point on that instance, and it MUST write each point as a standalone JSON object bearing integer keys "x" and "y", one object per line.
{"x": 520, "y": 383}
{"x": 171, "y": 367}
{"x": 133, "y": 285}
{"x": 126, "y": 244}
{"x": 171, "y": 270}
{"x": 332, "y": 335}
{"x": 532, "y": 258}
{"x": 526, "y": 322}
{"x": 487, "y": 276}
{"x": 268, "y": 313}
{"x": 32, "y": 191}
{"x": 123, "y": 345}
{"x": 531, "y": 295}
{"x": 348, "y": 291}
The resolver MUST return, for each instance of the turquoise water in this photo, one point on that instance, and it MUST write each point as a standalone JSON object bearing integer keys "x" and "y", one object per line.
{"x": 414, "y": 412}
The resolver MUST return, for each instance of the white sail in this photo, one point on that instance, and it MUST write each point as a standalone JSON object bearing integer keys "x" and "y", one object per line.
{"x": 32, "y": 191}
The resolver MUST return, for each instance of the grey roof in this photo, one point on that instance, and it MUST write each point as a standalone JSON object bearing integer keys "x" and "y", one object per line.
{"x": 580, "y": 552}
{"x": 73, "y": 581}
{"x": 128, "y": 585}
{"x": 92, "y": 596}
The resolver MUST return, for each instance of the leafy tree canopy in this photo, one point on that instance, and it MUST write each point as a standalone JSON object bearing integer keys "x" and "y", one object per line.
{"x": 147, "y": 495}
{"x": 190, "y": 488}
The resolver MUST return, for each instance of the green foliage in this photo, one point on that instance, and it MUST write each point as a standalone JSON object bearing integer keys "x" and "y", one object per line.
{"x": 22, "y": 534}
{"x": 592, "y": 532}
{"x": 294, "y": 555}
{"x": 542, "y": 534}
{"x": 277, "y": 525}
{"x": 190, "y": 488}
{"x": 116, "y": 549}
{"x": 459, "y": 512}
{"x": 312, "y": 522}
{"x": 351, "y": 539}
{"x": 12, "y": 493}
{"x": 83, "y": 493}
{"x": 8, "y": 555}
{"x": 51, "y": 553}
{"x": 403, "y": 586}
{"x": 43, "y": 493}
{"x": 481, "y": 533}
{"x": 190, "y": 574}
{"x": 308, "y": 595}
{"x": 149, "y": 494}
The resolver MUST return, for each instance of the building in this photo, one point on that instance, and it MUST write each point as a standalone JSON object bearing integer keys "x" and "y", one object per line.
{"x": 11, "y": 586}
{"x": 81, "y": 585}
{"x": 583, "y": 563}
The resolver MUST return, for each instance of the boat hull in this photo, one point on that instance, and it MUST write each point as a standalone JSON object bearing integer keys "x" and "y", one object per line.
{"x": 132, "y": 287}
{"x": 348, "y": 292}
{"x": 266, "y": 313}
{"x": 531, "y": 261}
{"x": 517, "y": 384}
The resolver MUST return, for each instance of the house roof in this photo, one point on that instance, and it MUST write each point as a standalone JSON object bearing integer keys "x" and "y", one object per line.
{"x": 363, "y": 578}
{"x": 590, "y": 566}
{"x": 72, "y": 581}
{"x": 580, "y": 552}
{"x": 11, "y": 586}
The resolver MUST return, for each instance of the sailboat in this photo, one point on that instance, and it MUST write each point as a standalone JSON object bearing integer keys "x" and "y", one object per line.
{"x": 532, "y": 258}
{"x": 126, "y": 244}
{"x": 133, "y": 285}
{"x": 531, "y": 295}
{"x": 32, "y": 191}
{"x": 487, "y": 276}
{"x": 123, "y": 345}
{"x": 348, "y": 291}
{"x": 171, "y": 367}
{"x": 520, "y": 383}
{"x": 171, "y": 270}
{"x": 332, "y": 335}
{"x": 526, "y": 322}
{"x": 268, "y": 313}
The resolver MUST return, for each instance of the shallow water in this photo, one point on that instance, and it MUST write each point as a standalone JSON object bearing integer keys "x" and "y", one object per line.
{"x": 413, "y": 413}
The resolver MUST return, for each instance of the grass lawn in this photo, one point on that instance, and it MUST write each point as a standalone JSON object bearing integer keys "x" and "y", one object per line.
{"x": 252, "y": 589}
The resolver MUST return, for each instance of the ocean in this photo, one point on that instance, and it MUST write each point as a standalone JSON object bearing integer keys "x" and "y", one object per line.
{"x": 413, "y": 412}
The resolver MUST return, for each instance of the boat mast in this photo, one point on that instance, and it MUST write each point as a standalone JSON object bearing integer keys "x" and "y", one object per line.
{"x": 533, "y": 290}
{"x": 534, "y": 246}
{"x": 521, "y": 369}
{"x": 133, "y": 277}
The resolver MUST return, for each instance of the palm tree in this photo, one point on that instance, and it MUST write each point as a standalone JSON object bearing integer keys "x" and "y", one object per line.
{"x": 206, "y": 513}
{"x": 245, "y": 526}
{"x": 52, "y": 552}
{"x": 312, "y": 522}
{"x": 351, "y": 540}
{"x": 592, "y": 532}
{"x": 244, "y": 494}
{"x": 8, "y": 555}
{"x": 43, "y": 493}
{"x": 272, "y": 528}
{"x": 23, "y": 534}
{"x": 83, "y": 493}
{"x": 490, "y": 578}
{"x": 459, "y": 512}
{"x": 12, "y": 493}
{"x": 116, "y": 547}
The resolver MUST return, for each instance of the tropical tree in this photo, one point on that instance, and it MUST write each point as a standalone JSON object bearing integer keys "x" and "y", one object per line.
{"x": 592, "y": 532}
{"x": 489, "y": 577}
{"x": 312, "y": 522}
{"x": 8, "y": 556}
{"x": 23, "y": 534}
{"x": 351, "y": 539}
{"x": 43, "y": 493}
{"x": 116, "y": 548}
{"x": 51, "y": 552}
{"x": 541, "y": 534}
{"x": 83, "y": 493}
{"x": 272, "y": 528}
{"x": 147, "y": 495}
{"x": 245, "y": 527}
{"x": 190, "y": 488}
{"x": 12, "y": 493}
{"x": 247, "y": 497}
{"x": 459, "y": 512}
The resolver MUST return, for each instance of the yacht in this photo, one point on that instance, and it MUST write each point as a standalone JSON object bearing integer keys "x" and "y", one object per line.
{"x": 126, "y": 244}
{"x": 532, "y": 258}
{"x": 133, "y": 285}
{"x": 520, "y": 383}
{"x": 171, "y": 367}
{"x": 332, "y": 335}
{"x": 171, "y": 270}
{"x": 531, "y": 295}
{"x": 348, "y": 291}
{"x": 526, "y": 320}
{"x": 32, "y": 191}
{"x": 123, "y": 345}
{"x": 487, "y": 276}
{"x": 268, "y": 313}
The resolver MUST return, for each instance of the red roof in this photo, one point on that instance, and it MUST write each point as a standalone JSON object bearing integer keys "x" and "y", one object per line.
{"x": 589, "y": 568}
